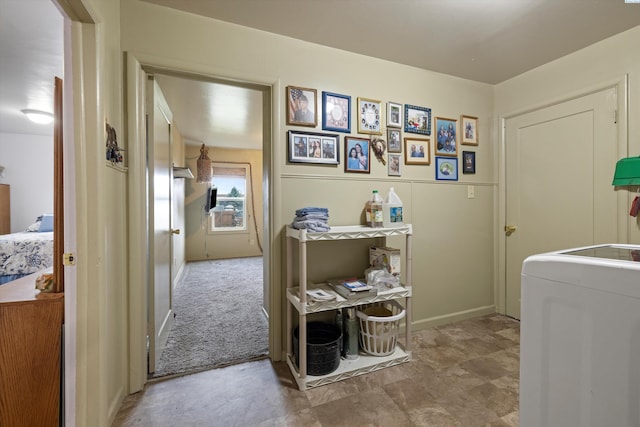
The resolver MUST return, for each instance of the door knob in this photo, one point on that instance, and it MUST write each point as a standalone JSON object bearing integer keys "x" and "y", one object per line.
{"x": 509, "y": 229}
{"x": 175, "y": 231}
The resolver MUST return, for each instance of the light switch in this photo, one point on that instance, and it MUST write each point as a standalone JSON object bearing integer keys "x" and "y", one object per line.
{"x": 471, "y": 191}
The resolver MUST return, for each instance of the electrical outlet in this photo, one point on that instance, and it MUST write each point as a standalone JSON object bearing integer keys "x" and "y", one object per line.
{"x": 471, "y": 191}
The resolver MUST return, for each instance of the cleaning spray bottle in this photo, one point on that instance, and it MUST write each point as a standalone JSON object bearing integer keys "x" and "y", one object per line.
{"x": 392, "y": 210}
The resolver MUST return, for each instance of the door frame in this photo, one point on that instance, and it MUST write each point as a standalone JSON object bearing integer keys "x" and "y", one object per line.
{"x": 621, "y": 85}
{"x": 137, "y": 65}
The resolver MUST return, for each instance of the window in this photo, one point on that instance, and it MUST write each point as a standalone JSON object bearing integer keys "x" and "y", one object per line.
{"x": 230, "y": 213}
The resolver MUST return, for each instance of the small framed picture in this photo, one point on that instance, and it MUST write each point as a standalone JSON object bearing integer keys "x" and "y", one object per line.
{"x": 315, "y": 148}
{"x": 357, "y": 154}
{"x": 394, "y": 164}
{"x": 416, "y": 151}
{"x": 417, "y": 119}
{"x": 336, "y": 112}
{"x": 469, "y": 126}
{"x": 446, "y": 169}
{"x": 446, "y": 139}
{"x": 394, "y": 115}
{"x": 369, "y": 115}
{"x": 301, "y": 106}
{"x": 469, "y": 162}
{"x": 394, "y": 141}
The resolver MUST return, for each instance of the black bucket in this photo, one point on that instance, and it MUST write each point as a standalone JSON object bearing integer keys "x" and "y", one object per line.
{"x": 323, "y": 347}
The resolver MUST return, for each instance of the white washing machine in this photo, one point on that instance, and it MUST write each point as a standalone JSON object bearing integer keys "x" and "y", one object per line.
{"x": 580, "y": 338}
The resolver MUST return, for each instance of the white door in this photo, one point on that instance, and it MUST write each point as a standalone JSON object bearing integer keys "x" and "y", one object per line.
{"x": 160, "y": 316}
{"x": 559, "y": 166}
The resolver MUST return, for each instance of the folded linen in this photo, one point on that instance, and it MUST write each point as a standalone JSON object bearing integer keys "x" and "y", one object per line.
{"x": 312, "y": 225}
{"x": 311, "y": 209}
{"x": 318, "y": 216}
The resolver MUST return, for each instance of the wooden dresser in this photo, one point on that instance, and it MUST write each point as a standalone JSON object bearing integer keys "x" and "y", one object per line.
{"x": 30, "y": 354}
{"x": 5, "y": 209}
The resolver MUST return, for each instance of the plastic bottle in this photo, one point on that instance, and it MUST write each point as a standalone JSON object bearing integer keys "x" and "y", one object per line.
{"x": 392, "y": 210}
{"x": 351, "y": 333}
{"x": 374, "y": 210}
{"x": 340, "y": 325}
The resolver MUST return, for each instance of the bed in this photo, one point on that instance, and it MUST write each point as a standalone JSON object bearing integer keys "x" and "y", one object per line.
{"x": 25, "y": 252}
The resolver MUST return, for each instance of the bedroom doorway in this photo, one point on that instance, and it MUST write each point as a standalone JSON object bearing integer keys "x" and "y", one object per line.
{"x": 205, "y": 246}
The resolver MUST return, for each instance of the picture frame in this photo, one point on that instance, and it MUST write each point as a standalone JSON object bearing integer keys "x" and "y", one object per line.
{"x": 417, "y": 151}
{"x": 417, "y": 119}
{"x": 446, "y": 137}
{"x": 394, "y": 164}
{"x": 394, "y": 141}
{"x": 357, "y": 159}
{"x": 446, "y": 169}
{"x": 394, "y": 115}
{"x": 469, "y": 162}
{"x": 313, "y": 148}
{"x": 336, "y": 112}
{"x": 468, "y": 130}
{"x": 369, "y": 116}
{"x": 301, "y": 106}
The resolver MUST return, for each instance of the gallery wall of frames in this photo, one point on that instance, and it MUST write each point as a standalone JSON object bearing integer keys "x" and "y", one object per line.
{"x": 391, "y": 134}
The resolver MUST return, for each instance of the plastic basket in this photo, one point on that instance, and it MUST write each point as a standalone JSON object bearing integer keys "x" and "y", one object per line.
{"x": 379, "y": 324}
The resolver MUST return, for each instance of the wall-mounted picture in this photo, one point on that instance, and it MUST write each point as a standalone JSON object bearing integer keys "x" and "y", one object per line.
{"x": 357, "y": 154}
{"x": 315, "y": 148}
{"x": 446, "y": 140}
{"x": 417, "y": 119}
{"x": 395, "y": 161}
{"x": 394, "y": 115}
{"x": 369, "y": 115}
{"x": 336, "y": 112}
{"x": 416, "y": 151}
{"x": 394, "y": 141}
{"x": 469, "y": 126}
{"x": 446, "y": 169}
{"x": 469, "y": 162}
{"x": 301, "y": 106}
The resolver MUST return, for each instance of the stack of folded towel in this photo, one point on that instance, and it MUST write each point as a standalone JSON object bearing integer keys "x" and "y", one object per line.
{"x": 312, "y": 218}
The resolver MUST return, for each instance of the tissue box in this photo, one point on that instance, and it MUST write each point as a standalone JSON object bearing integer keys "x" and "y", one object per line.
{"x": 386, "y": 257}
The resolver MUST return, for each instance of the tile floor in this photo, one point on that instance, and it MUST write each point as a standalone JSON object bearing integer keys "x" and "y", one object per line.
{"x": 461, "y": 374}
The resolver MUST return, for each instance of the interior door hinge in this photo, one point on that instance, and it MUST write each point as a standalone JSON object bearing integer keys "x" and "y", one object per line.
{"x": 615, "y": 116}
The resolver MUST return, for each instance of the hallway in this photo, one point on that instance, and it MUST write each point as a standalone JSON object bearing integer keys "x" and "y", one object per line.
{"x": 461, "y": 374}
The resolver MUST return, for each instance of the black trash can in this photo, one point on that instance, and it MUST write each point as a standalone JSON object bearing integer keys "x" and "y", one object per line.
{"x": 323, "y": 347}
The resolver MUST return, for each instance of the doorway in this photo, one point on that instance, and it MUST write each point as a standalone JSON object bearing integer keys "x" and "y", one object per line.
{"x": 558, "y": 194}
{"x": 199, "y": 117}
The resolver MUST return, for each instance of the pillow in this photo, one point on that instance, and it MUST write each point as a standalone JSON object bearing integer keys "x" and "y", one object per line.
{"x": 47, "y": 223}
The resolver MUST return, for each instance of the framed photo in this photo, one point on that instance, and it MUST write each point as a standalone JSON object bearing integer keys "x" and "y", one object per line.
{"x": 446, "y": 169}
{"x": 394, "y": 141}
{"x": 416, "y": 151}
{"x": 357, "y": 154}
{"x": 417, "y": 119}
{"x": 446, "y": 139}
{"x": 469, "y": 162}
{"x": 369, "y": 115}
{"x": 301, "y": 106}
{"x": 394, "y": 115}
{"x": 395, "y": 161}
{"x": 469, "y": 127}
{"x": 315, "y": 148}
{"x": 336, "y": 112}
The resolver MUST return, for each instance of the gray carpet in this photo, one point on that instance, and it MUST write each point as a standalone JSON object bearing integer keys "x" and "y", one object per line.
{"x": 219, "y": 319}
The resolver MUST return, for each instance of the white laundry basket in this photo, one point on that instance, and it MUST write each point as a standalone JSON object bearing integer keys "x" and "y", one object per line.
{"x": 379, "y": 324}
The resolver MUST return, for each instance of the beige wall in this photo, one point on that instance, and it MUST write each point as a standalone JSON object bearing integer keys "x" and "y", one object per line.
{"x": 200, "y": 243}
{"x": 608, "y": 61}
{"x": 449, "y": 228}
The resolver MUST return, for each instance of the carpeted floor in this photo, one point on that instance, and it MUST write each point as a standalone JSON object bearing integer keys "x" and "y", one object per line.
{"x": 219, "y": 319}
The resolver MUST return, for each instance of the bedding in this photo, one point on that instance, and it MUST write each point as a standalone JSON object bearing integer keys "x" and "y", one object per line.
{"x": 24, "y": 253}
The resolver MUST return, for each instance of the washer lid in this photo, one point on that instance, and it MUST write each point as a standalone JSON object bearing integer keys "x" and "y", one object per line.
{"x": 609, "y": 268}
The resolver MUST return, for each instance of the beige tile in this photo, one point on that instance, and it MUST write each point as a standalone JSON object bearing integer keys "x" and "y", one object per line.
{"x": 485, "y": 367}
{"x": 502, "y": 401}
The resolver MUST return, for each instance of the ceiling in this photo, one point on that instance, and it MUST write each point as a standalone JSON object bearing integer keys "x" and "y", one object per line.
{"x": 482, "y": 40}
